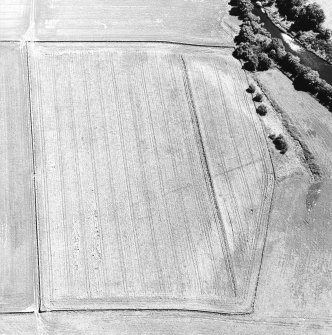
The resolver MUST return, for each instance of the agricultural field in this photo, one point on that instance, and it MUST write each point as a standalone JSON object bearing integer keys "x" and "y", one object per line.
{"x": 14, "y": 18}
{"x": 140, "y": 190}
{"x": 206, "y": 22}
{"x": 17, "y": 216}
{"x": 149, "y": 192}
{"x": 185, "y": 21}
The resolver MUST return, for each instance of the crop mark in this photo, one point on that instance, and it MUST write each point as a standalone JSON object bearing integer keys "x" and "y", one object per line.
{"x": 223, "y": 163}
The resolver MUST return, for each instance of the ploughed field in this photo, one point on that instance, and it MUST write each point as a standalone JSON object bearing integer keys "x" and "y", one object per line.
{"x": 152, "y": 177}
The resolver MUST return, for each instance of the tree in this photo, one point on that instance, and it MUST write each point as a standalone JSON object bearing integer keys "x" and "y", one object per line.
{"x": 259, "y": 97}
{"x": 245, "y": 7}
{"x": 290, "y": 63}
{"x": 307, "y": 81}
{"x": 290, "y": 8}
{"x": 252, "y": 63}
{"x": 309, "y": 17}
{"x": 246, "y": 34}
{"x": 264, "y": 62}
{"x": 324, "y": 33}
{"x": 262, "y": 109}
{"x": 243, "y": 51}
{"x": 252, "y": 88}
{"x": 325, "y": 93}
{"x": 262, "y": 42}
{"x": 280, "y": 144}
{"x": 277, "y": 43}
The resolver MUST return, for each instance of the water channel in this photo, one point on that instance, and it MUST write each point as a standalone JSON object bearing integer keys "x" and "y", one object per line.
{"x": 307, "y": 58}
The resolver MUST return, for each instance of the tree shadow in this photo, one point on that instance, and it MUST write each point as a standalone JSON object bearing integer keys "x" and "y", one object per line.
{"x": 234, "y": 11}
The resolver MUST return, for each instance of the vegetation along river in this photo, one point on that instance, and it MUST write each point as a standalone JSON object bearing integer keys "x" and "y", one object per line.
{"x": 307, "y": 58}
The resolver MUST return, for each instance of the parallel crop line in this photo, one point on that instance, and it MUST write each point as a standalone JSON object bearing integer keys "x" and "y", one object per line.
{"x": 82, "y": 225}
{"x": 129, "y": 195}
{"x": 161, "y": 181}
{"x": 62, "y": 183}
{"x": 208, "y": 179}
{"x": 235, "y": 147}
{"x": 98, "y": 233}
{"x": 186, "y": 221}
{"x": 160, "y": 271}
{"x": 111, "y": 179}
{"x": 242, "y": 123}
{"x": 221, "y": 155}
{"x": 230, "y": 128}
{"x": 264, "y": 159}
{"x": 240, "y": 80}
{"x": 199, "y": 197}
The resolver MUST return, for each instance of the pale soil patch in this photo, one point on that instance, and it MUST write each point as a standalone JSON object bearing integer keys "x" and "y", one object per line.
{"x": 17, "y": 229}
{"x": 153, "y": 177}
{"x": 14, "y": 18}
{"x": 187, "y": 21}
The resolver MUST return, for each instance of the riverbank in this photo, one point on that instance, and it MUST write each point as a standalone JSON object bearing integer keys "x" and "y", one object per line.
{"x": 283, "y": 25}
{"x": 307, "y": 57}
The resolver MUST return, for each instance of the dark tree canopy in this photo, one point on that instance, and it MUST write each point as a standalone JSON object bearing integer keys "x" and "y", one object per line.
{"x": 309, "y": 17}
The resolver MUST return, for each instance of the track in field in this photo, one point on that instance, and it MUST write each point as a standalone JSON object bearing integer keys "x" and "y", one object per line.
{"x": 153, "y": 178}
{"x": 17, "y": 217}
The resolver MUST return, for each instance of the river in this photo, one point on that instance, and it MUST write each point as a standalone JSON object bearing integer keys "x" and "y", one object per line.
{"x": 307, "y": 58}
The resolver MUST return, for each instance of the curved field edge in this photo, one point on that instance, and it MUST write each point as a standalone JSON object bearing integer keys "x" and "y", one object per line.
{"x": 233, "y": 72}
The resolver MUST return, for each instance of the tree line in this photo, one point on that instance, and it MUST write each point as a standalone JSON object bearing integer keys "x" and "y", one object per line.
{"x": 259, "y": 52}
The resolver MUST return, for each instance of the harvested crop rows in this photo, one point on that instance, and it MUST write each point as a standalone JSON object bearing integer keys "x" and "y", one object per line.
{"x": 143, "y": 199}
{"x": 17, "y": 217}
